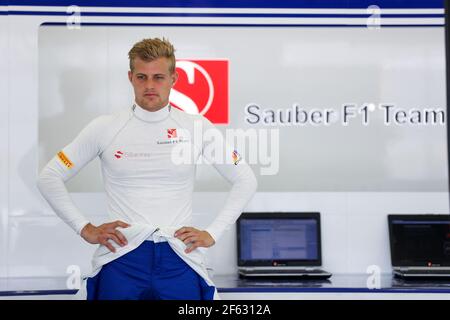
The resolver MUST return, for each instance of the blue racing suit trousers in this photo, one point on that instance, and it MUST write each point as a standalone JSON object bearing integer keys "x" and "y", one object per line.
{"x": 152, "y": 271}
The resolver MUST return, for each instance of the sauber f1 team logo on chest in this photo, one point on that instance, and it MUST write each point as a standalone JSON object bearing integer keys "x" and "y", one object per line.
{"x": 202, "y": 88}
{"x": 171, "y": 133}
{"x": 174, "y": 135}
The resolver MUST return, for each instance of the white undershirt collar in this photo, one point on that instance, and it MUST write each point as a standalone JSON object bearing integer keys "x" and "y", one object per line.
{"x": 151, "y": 116}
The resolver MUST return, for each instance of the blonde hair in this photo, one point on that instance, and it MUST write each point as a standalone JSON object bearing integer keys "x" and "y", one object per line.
{"x": 151, "y": 49}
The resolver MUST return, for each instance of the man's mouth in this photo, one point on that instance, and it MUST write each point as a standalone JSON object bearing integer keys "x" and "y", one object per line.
{"x": 150, "y": 95}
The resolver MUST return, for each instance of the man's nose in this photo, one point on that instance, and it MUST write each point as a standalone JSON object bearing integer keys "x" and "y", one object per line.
{"x": 149, "y": 84}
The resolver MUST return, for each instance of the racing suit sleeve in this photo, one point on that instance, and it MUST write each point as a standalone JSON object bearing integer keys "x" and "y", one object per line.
{"x": 230, "y": 164}
{"x": 62, "y": 167}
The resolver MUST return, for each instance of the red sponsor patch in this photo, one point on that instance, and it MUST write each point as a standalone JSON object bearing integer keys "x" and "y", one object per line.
{"x": 171, "y": 133}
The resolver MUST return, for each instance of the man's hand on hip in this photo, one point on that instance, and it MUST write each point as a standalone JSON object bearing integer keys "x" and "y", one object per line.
{"x": 105, "y": 232}
{"x": 196, "y": 238}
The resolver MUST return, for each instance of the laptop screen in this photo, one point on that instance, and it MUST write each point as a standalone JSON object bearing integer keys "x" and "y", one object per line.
{"x": 419, "y": 240}
{"x": 279, "y": 239}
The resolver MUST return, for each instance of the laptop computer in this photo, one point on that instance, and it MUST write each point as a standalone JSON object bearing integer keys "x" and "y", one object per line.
{"x": 279, "y": 245}
{"x": 420, "y": 245}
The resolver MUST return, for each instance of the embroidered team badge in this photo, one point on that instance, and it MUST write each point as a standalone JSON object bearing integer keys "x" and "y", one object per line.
{"x": 171, "y": 133}
{"x": 236, "y": 157}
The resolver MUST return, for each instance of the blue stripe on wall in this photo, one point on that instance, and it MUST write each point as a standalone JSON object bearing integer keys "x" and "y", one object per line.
{"x": 343, "y": 4}
{"x": 226, "y": 15}
{"x": 118, "y": 24}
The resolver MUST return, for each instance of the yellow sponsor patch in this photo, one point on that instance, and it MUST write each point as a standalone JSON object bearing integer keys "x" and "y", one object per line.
{"x": 65, "y": 160}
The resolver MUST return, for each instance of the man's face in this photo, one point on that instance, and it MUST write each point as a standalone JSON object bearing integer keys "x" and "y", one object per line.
{"x": 152, "y": 82}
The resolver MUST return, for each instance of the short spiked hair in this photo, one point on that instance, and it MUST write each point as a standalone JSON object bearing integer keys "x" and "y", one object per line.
{"x": 151, "y": 49}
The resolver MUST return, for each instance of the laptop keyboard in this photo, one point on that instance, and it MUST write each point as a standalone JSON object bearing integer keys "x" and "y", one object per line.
{"x": 425, "y": 271}
{"x": 284, "y": 271}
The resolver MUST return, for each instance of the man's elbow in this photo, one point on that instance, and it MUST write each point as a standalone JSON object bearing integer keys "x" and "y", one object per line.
{"x": 42, "y": 181}
{"x": 252, "y": 183}
{"x": 45, "y": 178}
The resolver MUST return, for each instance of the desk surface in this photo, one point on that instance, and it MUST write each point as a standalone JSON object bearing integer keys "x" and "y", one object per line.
{"x": 35, "y": 286}
{"x": 232, "y": 283}
{"x": 337, "y": 283}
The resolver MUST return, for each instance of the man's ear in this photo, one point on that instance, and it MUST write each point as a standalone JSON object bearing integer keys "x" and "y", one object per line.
{"x": 174, "y": 78}
{"x": 130, "y": 75}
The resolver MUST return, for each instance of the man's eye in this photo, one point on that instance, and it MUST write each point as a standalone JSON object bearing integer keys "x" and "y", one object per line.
{"x": 159, "y": 77}
{"x": 140, "y": 77}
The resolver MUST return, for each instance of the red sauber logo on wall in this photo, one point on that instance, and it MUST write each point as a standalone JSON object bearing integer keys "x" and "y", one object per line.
{"x": 202, "y": 88}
